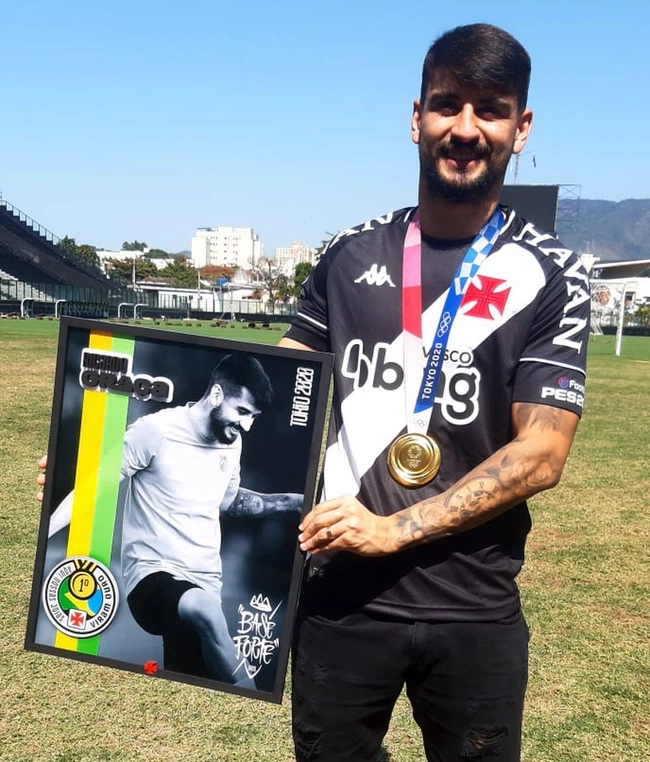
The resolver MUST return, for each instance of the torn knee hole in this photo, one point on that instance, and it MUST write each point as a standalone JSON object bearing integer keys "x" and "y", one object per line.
{"x": 483, "y": 741}
{"x": 307, "y": 742}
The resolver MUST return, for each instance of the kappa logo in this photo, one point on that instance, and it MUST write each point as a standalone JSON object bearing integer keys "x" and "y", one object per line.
{"x": 486, "y": 298}
{"x": 376, "y": 276}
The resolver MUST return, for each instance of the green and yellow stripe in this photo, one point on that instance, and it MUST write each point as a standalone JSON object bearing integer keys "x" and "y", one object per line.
{"x": 97, "y": 477}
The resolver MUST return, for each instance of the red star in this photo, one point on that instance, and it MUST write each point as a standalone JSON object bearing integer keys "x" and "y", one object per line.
{"x": 150, "y": 667}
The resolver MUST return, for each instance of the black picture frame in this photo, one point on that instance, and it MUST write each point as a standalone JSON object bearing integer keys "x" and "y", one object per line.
{"x": 108, "y": 377}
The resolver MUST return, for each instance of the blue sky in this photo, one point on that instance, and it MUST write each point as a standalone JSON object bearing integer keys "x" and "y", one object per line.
{"x": 147, "y": 119}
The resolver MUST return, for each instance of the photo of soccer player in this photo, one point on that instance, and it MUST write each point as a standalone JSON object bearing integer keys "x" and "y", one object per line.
{"x": 202, "y": 562}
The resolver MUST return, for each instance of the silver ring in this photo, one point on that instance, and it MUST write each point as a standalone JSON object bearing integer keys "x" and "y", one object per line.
{"x": 328, "y": 532}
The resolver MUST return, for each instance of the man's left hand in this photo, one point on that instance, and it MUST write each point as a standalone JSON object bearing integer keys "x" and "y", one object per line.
{"x": 345, "y": 524}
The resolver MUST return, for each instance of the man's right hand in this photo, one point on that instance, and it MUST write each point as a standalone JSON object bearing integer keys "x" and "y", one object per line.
{"x": 40, "y": 479}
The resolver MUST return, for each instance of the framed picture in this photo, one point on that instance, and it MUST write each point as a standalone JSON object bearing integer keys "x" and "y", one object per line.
{"x": 178, "y": 469}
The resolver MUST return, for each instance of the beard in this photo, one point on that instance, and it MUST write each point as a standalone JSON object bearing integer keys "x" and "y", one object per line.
{"x": 225, "y": 431}
{"x": 461, "y": 186}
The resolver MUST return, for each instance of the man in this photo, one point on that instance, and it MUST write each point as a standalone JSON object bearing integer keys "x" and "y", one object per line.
{"x": 183, "y": 467}
{"x": 458, "y": 388}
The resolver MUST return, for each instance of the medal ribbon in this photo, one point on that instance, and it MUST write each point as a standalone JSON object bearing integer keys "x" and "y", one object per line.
{"x": 419, "y": 403}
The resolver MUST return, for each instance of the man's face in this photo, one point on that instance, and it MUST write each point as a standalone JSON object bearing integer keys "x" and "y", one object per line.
{"x": 230, "y": 416}
{"x": 465, "y": 138}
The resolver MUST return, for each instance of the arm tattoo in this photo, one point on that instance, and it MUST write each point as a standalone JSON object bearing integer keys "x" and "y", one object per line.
{"x": 245, "y": 504}
{"x": 249, "y": 504}
{"x": 541, "y": 417}
{"x": 525, "y": 466}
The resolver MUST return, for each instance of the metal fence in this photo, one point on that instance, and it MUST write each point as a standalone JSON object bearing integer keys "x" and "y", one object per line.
{"x": 126, "y": 302}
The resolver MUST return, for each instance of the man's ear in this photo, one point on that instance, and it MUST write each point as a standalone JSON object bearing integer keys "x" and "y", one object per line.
{"x": 524, "y": 126}
{"x": 415, "y": 122}
{"x": 216, "y": 395}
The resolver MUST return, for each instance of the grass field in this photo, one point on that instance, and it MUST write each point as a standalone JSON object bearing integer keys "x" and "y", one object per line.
{"x": 586, "y": 592}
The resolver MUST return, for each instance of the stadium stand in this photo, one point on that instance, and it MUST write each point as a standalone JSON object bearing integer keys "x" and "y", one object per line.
{"x": 30, "y": 253}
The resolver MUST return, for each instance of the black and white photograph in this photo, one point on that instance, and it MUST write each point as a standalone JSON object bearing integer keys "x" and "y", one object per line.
{"x": 179, "y": 469}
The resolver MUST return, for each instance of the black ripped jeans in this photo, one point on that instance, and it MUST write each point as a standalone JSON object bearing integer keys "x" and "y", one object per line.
{"x": 466, "y": 683}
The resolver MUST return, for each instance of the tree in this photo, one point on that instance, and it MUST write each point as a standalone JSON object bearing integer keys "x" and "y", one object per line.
{"x": 84, "y": 252}
{"x": 214, "y": 272}
{"x": 300, "y": 276}
{"x": 284, "y": 289}
{"x": 180, "y": 275}
{"x": 88, "y": 254}
{"x": 68, "y": 245}
{"x": 134, "y": 246}
{"x": 269, "y": 276}
{"x": 123, "y": 268}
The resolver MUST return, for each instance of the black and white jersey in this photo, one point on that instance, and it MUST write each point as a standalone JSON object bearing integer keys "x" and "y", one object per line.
{"x": 520, "y": 335}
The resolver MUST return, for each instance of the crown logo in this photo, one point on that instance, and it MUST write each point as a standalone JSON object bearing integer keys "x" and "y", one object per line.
{"x": 261, "y": 603}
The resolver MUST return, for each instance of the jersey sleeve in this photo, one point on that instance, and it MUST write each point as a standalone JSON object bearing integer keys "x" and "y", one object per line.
{"x": 141, "y": 442}
{"x": 310, "y": 324}
{"x": 552, "y": 367}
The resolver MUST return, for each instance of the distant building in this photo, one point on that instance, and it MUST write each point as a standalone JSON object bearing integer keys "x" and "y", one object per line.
{"x": 225, "y": 245}
{"x": 104, "y": 255}
{"x": 288, "y": 257}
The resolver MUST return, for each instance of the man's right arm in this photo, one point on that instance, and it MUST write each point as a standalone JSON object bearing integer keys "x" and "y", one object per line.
{"x": 61, "y": 516}
{"x": 293, "y": 344}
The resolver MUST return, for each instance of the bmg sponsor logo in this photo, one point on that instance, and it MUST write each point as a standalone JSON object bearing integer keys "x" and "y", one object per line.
{"x": 458, "y": 388}
{"x": 566, "y": 390}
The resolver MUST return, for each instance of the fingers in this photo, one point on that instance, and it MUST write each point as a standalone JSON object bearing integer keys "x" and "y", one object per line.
{"x": 40, "y": 479}
{"x": 344, "y": 524}
{"x": 317, "y": 528}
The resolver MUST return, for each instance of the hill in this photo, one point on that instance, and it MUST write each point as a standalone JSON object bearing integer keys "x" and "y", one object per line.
{"x": 611, "y": 230}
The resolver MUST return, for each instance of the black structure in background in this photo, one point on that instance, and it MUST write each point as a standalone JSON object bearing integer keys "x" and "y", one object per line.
{"x": 30, "y": 253}
{"x": 536, "y": 203}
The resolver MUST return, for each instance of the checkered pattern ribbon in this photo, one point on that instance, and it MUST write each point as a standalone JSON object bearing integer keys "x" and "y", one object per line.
{"x": 478, "y": 252}
{"x": 419, "y": 404}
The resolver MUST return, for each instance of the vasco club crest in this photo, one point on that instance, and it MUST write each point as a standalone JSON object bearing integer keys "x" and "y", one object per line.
{"x": 80, "y": 597}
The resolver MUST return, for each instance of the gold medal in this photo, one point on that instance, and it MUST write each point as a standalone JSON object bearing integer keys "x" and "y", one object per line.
{"x": 413, "y": 459}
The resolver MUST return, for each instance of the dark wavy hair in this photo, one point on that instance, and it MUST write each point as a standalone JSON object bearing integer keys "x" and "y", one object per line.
{"x": 236, "y": 372}
{"x": 483, "y": 56}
